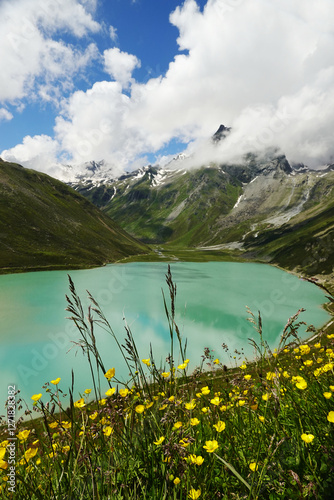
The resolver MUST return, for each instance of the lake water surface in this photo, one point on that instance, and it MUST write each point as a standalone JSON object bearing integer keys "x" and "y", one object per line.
{"x": 37, "y": 339}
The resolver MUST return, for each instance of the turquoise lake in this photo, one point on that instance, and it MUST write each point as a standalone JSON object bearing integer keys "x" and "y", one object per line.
{"x": 38, "y": 342}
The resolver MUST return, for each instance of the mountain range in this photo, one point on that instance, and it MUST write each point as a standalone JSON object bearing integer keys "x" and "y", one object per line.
{"x": 262, "y": 208}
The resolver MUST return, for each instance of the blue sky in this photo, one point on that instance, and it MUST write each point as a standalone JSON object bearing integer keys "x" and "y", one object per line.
{"x": 132, "y": 82}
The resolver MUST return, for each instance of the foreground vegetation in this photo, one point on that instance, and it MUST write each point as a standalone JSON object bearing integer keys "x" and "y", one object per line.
{"x": 262, "y": 430}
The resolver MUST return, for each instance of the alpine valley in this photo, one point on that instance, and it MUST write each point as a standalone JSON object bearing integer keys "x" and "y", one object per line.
{"x": 263, "y": 209}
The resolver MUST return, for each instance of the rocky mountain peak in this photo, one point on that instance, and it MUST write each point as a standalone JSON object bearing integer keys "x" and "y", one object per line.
{"x": 221, "y": 133}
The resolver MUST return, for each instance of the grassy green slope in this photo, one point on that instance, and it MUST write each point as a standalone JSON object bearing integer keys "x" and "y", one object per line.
{"x": 44, "y": 223}
{"x": 181, "y": 211}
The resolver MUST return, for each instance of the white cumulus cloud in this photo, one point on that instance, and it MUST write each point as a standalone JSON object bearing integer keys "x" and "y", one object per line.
{"x": 263, "y": 67}
{"x": 5, "y": 115}
{"x": 120, "y": 65}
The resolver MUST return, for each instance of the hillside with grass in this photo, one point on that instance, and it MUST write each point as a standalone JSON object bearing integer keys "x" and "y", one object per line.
{"x": 45, "y": 224}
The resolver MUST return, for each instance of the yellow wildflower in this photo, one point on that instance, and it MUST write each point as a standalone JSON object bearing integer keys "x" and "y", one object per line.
{"x": 149, "y": 404}
{"x": 327, "y": 395}
{"x": 191, "y": 405}
{"x": 65, "y": 449}
{"x": 80, "y": 403}
{"x": 330, "y": 417}
{"x": 110, "y": 391}
{"x": 219, "y": 426}
{"x": 177, "y": 480}
{"x": 261, "y": 418}
{"x": 253, "y": 466}
{"x": 183, "y": 366}
{"x": 140, "y": 408}
{"x": 247, "y": 377}
{"x": 215, "y": 401}
{"x": 266, "y": 396}
{"x": 124, "y": 392}
{"x": 163, "y": 407}
{"x": 146, "y": 362}
{"x": 23, "y": 435}
{"x": 36, "y": 397}
{"x": 194, "y": 494}
{"x": 110, "y": 373}
{"x": 204, "y": 409}
{"x": 197, "y": 460}
{"x": 243, "y": 366}
{"x": 194, "y": 421}
{"x": 211, "y": 446}
{"x": 30, "y": 453}
{"x": 304, "y": 349}
{"x": 184, "y": 442}
{"x": 270, "y": 375}
{"x": 93, "y": 415}
{"x": 241, "y": 402}
{"x": 216, "y": 361}
{"x": 159, "y": 441}
{"x": 308, "y": 438}
{"x": 66, "y": 425}
{"x": 165, "y": 374}
{"x": 56, "y": 381}
{"x": 108, "y": 430}
{"x": 87, "y": 391}
{"x": 308, "y": 362}
{"x": 205, "y": 390}
{"x": 177, "y": 425}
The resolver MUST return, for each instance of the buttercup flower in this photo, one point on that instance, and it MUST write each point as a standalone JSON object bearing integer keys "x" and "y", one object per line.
{"x": 308, "y": 438}
{"x": 87, "y": 391}
{"x": 110, "y": 391}
{"x": 140, "y": 408}
{"x": 183, "y": 366}
{"x": 23, "y": 435}
{"x": 124, "y": 392}
{"x": 194, "y": 494}
{"x": 177, "y": 480}
{"x": 211, "y": 446}
{"x": 253, "y": 466}
{"x": 165, "y": 374}
{"x": 159, "y": 441}
{"x": 110, "y": 373}
{"x": 30, "y": 453}
{"x": 36, "y": 397}
{"x": 216, "y": 361}
{"x": 247, "y": 377}
{"x": 205, "y": 390}
{"x": 197, "y": 460}
{"x": 56, "y": 381}
{"x": 177, "y": 425}
{"x": 108, "y": 430}
{"x": 215, "y": 401}
{"x": 220, "y": 426}
{"x": 146, "y": 362}
{"x": 327, "y": 395}
{"x": 191, "y": 405}
{"x": 194, "y": 421}
{"x": 330, "y": 417}
{"x": 80, "y": 403}
{"x": 304, "y": 349}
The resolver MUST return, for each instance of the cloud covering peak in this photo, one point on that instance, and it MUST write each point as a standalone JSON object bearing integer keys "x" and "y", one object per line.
{"x": 263, "y": 67}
